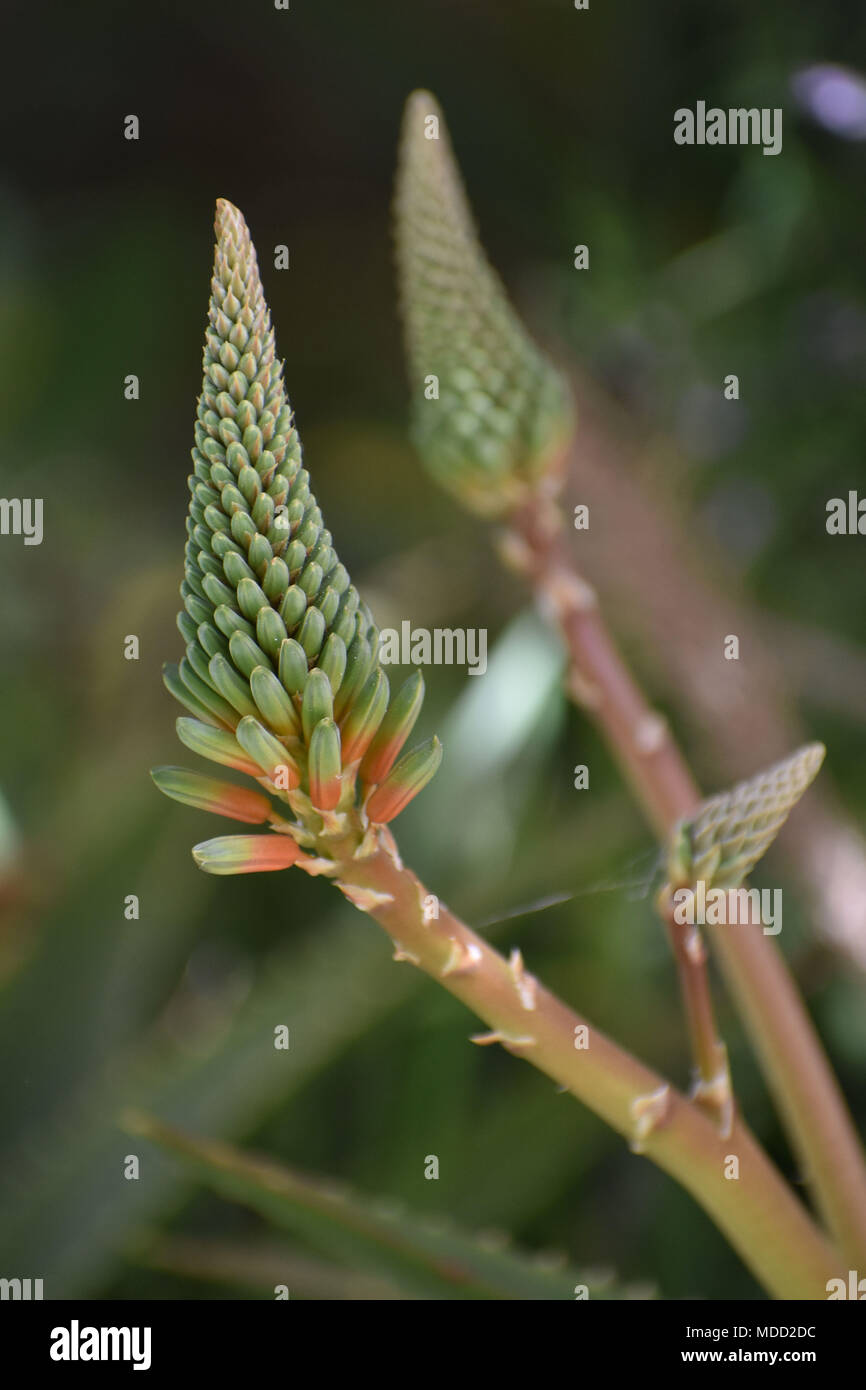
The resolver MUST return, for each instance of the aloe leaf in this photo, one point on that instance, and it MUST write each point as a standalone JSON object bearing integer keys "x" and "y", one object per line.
{"x": 432, "y": 1259}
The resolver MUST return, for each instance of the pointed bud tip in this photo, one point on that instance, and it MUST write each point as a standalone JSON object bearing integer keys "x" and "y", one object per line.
{"x": 420, "y": 103}
{"x": 227, "y": 212}
{"x": 813, "y": 756}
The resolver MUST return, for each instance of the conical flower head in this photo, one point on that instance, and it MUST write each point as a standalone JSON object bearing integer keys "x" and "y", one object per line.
{"x": 490, "y": 412}
{"x": 281, "y": 669}
{"x": 731, "y": 831}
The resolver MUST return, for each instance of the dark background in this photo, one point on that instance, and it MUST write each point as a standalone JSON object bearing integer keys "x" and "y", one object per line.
{"x": 700, "y": 259}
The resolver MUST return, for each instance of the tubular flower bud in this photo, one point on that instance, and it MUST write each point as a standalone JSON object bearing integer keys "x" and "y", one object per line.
{"x": 405, "y": 781}
{"x": 325, "y": 765}
{"x": 394, "y": 730}
{"x": 246, "y": 854}
{"x": 209, "y": 794}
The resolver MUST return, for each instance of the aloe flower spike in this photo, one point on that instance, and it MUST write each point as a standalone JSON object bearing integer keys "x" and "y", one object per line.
{"x": 281, "y": 669}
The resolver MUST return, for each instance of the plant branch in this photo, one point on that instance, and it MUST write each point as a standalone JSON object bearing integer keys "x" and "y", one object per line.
{"x": 642, "y": 744}
{"x": 712, "y": 1083}
{"x": 790, "y": 1051}
{"x": 801, "y": 1080}
{"x": 746, "y": 717}
{"x": 597, "y": 678}
{"x": 756, "y": 1211}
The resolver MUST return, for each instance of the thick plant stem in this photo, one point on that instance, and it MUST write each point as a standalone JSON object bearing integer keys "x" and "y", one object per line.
{"x": 732, "y": 1179}
{"x": 781, "y": 1031}
{"x": 801, "y": 1080}
{"x": 598, "y": 679}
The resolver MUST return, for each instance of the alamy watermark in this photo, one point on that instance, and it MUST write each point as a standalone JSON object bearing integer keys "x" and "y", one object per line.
{"x": 729, "y": 907}
{"x": 736, "y": 126}
{"x": 77, "y": 1343}
{"x": 22, "y": 516}
{"x": 439, "y": 646}
{"x": 21, "y": 1290}
{"x": 852, "y": 1287}
{"x": 846, "y": 516}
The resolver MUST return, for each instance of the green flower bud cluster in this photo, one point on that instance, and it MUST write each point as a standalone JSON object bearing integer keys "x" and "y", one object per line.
{"x": 730, "y": 832}
{"x": 281, "y": 671}
{"x": 490, "y": 412}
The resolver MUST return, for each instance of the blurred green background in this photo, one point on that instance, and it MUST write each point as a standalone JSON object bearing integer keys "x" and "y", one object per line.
{"x": 702, "y": 262}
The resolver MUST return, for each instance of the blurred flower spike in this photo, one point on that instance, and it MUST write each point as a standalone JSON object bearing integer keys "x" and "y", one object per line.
{"x": 491, "y": 415}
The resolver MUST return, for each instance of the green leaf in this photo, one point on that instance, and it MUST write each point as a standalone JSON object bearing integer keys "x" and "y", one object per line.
{"x": 66, "y": 1214}
{"x": 433, "y": 1260}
